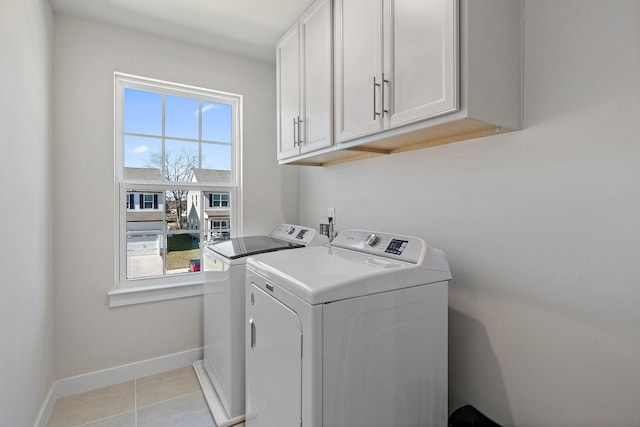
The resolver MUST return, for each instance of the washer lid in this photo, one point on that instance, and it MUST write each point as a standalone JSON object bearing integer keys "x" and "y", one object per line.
{"x": 283, "y": 236}
{"x": 322, "y": 274}
{"x": 239, "y": 247}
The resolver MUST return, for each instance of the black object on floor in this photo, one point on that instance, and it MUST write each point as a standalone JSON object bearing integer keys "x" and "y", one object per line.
{"x": 468, "y": 416}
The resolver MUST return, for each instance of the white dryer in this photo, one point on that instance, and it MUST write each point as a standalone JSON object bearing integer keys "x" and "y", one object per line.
{"x": 221, "y": 372}
{"x": 349, "y": 334}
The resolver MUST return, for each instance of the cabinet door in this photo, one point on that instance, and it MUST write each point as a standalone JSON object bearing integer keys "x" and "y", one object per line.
{"x": 358, "y": 60}
{"x": 273, "y": 362}
{"x": 288, "y": 92}
{"x": 420, "y": 59}
{"x": 317, "y": 71}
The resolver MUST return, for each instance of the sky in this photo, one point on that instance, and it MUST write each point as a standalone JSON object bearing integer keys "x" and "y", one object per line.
{"x": 143, "y": 115}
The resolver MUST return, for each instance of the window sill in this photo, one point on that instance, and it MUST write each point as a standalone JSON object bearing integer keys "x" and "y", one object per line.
{"x": 151, "y": 293}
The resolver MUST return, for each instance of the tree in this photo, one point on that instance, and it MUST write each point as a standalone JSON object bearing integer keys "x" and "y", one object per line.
{"x": 176, "y": 168}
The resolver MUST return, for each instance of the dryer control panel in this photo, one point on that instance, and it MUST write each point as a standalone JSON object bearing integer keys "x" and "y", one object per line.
{"x": 394, "y": 246}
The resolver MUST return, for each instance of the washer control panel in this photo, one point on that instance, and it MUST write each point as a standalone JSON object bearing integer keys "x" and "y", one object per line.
{"x": 298, "y": 234}
{"x": 395, "y": 246}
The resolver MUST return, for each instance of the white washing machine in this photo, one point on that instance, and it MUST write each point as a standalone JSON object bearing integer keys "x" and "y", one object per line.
{"x": 221, "y": 372}
{"x": 349, "y": 334}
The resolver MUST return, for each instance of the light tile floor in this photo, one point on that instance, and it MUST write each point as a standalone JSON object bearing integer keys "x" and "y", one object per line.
{"x": 171, "y": 398}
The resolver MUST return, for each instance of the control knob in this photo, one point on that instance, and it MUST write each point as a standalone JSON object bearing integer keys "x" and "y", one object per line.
{"x": 291, "y": 229}
{"x": 371, "y": 239}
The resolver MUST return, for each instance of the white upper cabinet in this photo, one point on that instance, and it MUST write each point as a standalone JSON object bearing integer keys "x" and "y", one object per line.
{"x": 419, "y": 61}
{"x": 395, "y": 63}
{"x": 358, "y": 67}
{"x": 288, "y": 83}
{"x": 409, "y": 74}
{"x": 304, "y": 83}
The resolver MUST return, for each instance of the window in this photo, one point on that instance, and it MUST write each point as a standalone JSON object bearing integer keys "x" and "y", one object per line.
{"x": 217, "y": 200}
{"x": 175, "y": 145}
{"x": 148, "y": 201}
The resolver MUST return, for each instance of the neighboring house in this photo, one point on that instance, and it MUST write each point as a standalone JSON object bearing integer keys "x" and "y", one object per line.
{"x": 215, "y": 205}
{"x": 145, "y": 213}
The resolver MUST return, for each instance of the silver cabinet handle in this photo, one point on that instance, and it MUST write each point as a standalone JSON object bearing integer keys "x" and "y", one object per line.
{"x": 375, "y": 100}
{"x": 300, "y": 140}
{"x": 295, "y": 126}
{"x": 253, "y": 333}
{"x": 297, "y": 140}
{"x": 384, "y": 81}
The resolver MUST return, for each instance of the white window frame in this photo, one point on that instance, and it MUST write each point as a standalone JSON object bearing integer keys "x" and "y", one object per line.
{"x": 140, "y": 290}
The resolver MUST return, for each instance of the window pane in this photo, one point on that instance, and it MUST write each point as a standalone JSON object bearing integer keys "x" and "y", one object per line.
{"x": 216, "y": 122}
{"x": 216, "y": 157}
{"x": 177, "y": 209}
{"x": 144, "y": 258}
{"x": 144, "y": 234}
{"x": 181, "y": 159}
{"x": 183, "y": 253}
{"x": 146, "y": 211}
{"x": 193, "y": 205}
{"x": 142, "y": 152}
{"x": 182, "y": 117}
{"x": 217, "y": 216}
{"x": 142, "y": 112}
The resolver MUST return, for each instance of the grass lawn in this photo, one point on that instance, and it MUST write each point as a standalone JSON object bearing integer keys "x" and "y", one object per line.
{"x": 181, "y": 249}
{"x": 180, "y": 259}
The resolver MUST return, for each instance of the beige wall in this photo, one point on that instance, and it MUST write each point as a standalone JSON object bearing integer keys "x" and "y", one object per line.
{"x": 90, "y": 336}
{"x": 541, "y": 227}
{"x": 26, "y": 304}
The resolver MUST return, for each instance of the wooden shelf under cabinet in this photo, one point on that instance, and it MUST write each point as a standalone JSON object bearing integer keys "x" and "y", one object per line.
{"x": 445, "y": 133}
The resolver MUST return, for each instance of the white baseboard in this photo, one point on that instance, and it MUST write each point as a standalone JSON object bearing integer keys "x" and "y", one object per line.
{"x": 106, "y": 377}
{"x": 46, "y": 409}
{"x": 216, "y": 408}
